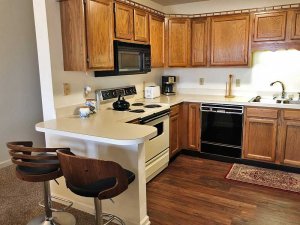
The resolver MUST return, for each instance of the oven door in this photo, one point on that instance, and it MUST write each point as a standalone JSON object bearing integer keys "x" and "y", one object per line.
{"x": 221, "y": 132}
{"x": 160, "y": 142}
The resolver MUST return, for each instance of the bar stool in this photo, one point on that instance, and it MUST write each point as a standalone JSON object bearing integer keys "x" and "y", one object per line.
{"x": 95, "y": 178}
{"x": 40, "y": 165}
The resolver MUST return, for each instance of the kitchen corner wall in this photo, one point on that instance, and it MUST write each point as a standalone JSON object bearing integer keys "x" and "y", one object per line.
{"x": 20, "y": 104}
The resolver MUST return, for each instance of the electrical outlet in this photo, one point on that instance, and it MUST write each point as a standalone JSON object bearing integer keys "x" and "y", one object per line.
{"x": 237, "y": 82}
{"x": 67, "y": 88}
{"x": 201, "y": 81}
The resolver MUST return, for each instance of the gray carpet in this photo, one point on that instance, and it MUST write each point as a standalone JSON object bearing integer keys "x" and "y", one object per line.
{"x": 19, "y": 201}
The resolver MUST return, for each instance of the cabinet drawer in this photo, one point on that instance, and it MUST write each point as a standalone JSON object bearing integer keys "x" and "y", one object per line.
{"x": 174, "y": 110}
{"x": 262, "y": 113}
{"x": 291, "y": 114}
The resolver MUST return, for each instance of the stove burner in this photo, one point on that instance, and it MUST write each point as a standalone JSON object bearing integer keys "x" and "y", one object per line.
{"x": 152, "y": 106}
{"x": 137, "y": 111}
{"x": 137, "y": 104}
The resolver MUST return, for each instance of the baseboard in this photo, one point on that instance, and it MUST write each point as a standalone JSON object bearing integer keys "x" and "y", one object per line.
{"x": 5, "y": 163}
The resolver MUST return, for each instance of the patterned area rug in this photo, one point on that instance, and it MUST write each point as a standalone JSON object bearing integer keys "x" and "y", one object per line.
{"x": 265, "y": 177}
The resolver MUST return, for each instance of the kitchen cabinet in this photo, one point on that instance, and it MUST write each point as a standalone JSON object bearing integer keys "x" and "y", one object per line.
{"x": 179, "y": 42}
{"x": 157, "y": 35}
{"x": 260, "y": 134}
{"x": 290, "y": 138}
{"x": 199, "y": 42}
{"x": 87, "y": 34}
{"x": 229, "y": 40}
{"x": 141, "y": 26}
{"x": 175, "y": 117}
{"x": 295, "y": 25}
{"x": 123, "y": 21}
{"x": 193, "y": 126}
{"x": 270, "y": 26}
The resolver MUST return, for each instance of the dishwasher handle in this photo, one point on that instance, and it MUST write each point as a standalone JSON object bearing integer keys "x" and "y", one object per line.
{"x": 223, "y": 110}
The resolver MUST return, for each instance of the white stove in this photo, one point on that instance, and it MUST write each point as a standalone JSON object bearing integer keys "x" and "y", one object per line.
{"x": 156, "y": 115}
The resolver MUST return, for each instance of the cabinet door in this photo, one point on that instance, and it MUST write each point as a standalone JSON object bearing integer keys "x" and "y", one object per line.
{"x": 174, "y": 135}
{"x": 295, "y": 33}
{"x": 157, "y": 36}
{"x": 179, "y": 42}
{"x": 270, "y": 26}
{"x": 124, "y": 21}
{"x": 194, "y": 126}
{"x": 230, "y": 40}
{"x": 141, "y": 26}
{"x": 100, "y": 34}
{"x": 199, "y": 42}
{"x": 260, "y": 139}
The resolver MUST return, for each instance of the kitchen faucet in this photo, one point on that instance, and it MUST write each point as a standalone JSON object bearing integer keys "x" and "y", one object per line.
{"x": 283, "y": 93}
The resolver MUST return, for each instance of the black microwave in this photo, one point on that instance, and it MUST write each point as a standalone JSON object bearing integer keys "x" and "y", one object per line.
{"x": 129, "y": 59}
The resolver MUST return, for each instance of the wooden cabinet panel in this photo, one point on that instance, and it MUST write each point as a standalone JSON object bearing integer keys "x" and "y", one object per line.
{"x": 141, "y": 26}
{"x": 179, "y": 42}
{"x": 229, "y": 40}
{"x": 260, "y": 138}
{"x": 199, "y": 42}
{"x": 295, "y": 31}
{"x": 194, "y": 126}
{"x": 262, "y": 113}
{"x": 73, "y": 35}
{"x": 175, "y": 129}
{"x": 291, "y": 114}
{"x": 100, "y": 32}
{"x": 270, "y": 26}
{"x": 123, "y": 21}
{"x": 157, "y": 35}
{"x": 291, "y": 142}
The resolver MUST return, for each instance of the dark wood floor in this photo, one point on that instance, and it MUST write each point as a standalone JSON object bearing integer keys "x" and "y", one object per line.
{"x": 193, "y": 191}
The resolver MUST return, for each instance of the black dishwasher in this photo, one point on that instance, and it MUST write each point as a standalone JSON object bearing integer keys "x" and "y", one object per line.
{"x": 221, "y": 129}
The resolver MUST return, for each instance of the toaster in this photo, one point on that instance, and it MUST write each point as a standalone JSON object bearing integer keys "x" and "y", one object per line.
{"x": 152, "y": 92}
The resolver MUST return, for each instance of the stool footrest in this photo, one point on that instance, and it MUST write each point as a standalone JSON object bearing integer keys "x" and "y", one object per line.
{"x": 65, "y": 201}
{"x": 110, "y": 218}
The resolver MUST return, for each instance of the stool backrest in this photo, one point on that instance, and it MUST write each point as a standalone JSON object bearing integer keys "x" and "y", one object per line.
{"x": 23, "y": 154}
{"x": 81, "y": 171}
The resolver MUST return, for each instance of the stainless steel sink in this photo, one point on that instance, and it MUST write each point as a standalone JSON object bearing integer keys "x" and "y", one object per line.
{"x": 264, "y": 100}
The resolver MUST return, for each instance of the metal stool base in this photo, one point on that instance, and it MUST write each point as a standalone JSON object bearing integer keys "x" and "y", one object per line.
{"x": 112, "y": 218}
{"x": 59, "y": 218}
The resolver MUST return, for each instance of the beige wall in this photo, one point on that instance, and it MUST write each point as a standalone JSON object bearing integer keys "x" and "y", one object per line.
{"x": 223, "y": 5}
{"x": 19, "y": 86}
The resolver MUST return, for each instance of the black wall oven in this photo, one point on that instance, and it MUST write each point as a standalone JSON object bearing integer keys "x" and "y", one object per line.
{"x": 221, "y": 129}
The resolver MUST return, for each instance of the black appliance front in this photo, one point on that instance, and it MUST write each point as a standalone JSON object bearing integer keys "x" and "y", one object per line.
{"x": 221, "y": 129}
{"x": 129, "y": 58}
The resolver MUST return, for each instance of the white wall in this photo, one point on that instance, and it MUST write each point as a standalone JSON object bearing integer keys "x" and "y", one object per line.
{"x": 19, "y": 87}
{"x": 222, "y": 5}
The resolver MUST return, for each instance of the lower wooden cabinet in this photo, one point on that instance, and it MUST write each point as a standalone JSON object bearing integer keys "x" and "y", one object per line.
{"x": 290, "y": 138}
{"x": 175, "y": 120}
{"x": 260, "y": 138}
{"x": 193, "y": 126}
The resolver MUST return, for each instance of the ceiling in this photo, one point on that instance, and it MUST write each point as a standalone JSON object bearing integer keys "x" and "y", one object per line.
{"x": 175, "y": 2}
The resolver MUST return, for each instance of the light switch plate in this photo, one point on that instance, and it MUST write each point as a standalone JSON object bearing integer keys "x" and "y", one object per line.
{"x": 67, "y": 89}
{"x": 237, "y": 82}
{"x": 201, "y": 81}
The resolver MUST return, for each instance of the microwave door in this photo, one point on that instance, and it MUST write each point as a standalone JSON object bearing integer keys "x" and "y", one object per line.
{"x": 129, "y": 61}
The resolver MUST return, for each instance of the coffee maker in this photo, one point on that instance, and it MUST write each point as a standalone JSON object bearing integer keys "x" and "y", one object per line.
{"x": 168, "y": 85}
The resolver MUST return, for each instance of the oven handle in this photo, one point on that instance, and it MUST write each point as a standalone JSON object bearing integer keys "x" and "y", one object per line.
{"x": 155, "y": 117}
{"x": 223, "y": 112}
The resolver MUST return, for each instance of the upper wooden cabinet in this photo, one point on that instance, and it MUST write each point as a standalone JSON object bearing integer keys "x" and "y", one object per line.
{"x": 260, "y": 134}
{"x": 87, "y": 33}
{"x": 270, "y": 26}
{"x": 123, "y": 21}
{"x": 199, "y": 42}
{"x": 179, "y": 42}
{"x": 295, "y": 25}
{"x": 141, "y": 26}
{"x": 157, "y": 35}
{"x": 229, "y": 40}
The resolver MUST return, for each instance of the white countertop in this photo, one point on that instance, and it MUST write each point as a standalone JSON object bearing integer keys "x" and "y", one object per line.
{"x": 109, "y": 126}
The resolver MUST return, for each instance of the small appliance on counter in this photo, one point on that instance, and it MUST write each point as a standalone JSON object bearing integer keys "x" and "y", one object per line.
{"x": 168, "y": 85}
{"x": 152, "y": 92}
{"x": 121, "y": 104}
